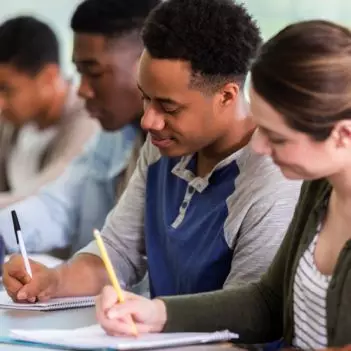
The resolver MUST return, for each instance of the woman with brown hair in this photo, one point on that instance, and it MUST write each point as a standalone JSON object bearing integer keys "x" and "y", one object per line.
{"x": 301, "y": 102}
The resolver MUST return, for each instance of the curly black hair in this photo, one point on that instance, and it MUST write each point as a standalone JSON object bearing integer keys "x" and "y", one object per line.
{"x": 111, "y": 18}
{"x": 28, "y": 44}
{"x": 218, "y": 38}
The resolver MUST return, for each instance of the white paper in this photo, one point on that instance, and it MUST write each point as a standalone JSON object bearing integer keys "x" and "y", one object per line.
{"x": 94, "y": 337}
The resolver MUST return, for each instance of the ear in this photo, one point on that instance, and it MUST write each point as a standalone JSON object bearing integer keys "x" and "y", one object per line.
{"x": 341, "y": 134}
{"x": 48, "y": 74}
{"x": 228, "y": 94}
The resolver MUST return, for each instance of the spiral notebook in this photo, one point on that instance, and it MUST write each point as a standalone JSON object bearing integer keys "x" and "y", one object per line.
{"x": 51, "y": 305}
{"x": 94, "y": 338}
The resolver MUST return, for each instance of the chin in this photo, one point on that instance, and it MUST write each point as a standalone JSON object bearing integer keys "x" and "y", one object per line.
{"x": 173, "y": 152}
{"x": 296, "y": 175}
{"x": 108, "y": 125}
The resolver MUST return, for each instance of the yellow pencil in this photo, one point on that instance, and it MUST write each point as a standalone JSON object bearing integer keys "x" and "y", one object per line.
{"x": 111, "y": 273}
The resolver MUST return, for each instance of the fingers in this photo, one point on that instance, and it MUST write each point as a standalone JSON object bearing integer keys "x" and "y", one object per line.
{"x": 21, "y": 287}
{"x": 123, "y": 310}
{"x": 108, "y": 298}
{"x": 34, "y": 289}
{"x": 117, "y": 326}
{"x": 12, "y": 286}
{"x": 14, "y": 276}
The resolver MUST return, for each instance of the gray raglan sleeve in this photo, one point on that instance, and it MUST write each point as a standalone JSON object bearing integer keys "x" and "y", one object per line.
{"x": 261, "y": 231}
{"x": 123, "y": 232}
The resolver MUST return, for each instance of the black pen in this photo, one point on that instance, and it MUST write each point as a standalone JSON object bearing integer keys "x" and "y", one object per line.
{"x": 20, "y": 242}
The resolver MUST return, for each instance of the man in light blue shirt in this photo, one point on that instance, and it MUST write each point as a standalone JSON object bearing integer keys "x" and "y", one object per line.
{"x": 63, "y": 214}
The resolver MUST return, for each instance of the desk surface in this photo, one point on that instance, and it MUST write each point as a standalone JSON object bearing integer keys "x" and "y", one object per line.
{"x": 10, "y": 319}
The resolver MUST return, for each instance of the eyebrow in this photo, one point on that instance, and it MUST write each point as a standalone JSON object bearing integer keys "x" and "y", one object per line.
{"x": 162, "y": 100}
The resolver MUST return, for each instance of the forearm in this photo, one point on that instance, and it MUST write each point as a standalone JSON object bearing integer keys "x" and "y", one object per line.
{"x": 243, "y": 310}
{"x": 9, "y": 198}
{"x": 84, "y": 275}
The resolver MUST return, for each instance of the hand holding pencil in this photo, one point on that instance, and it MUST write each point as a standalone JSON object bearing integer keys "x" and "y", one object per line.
{"x": 123, "y": 313}
{"x": 112, "y": 275}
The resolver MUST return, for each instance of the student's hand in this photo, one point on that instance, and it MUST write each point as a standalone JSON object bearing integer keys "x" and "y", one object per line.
{"x": 149, "y": 316}
{"x": 22, "y": 288}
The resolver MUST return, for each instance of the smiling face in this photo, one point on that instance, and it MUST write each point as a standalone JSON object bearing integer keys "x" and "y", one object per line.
{"x": 181, "y": 119}
{"x": 296, "y": 153}
{"x": 108, "y": 82}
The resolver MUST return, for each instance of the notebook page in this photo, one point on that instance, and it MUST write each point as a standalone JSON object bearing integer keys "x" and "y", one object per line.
{"x": 94, "y": 337}
{"x": 53, "y": 304}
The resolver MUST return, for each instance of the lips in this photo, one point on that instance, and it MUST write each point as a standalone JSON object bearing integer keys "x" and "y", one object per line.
{"x": 161, "y": 142}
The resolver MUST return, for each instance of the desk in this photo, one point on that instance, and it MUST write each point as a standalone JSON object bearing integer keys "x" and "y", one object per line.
{"x": 11, "y": 319}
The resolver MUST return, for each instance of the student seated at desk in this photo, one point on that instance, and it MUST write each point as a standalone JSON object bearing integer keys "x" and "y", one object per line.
{"x": 301, "y": 101}
{"x": 43, "y": 124}
{"x": 64, "y": 214}
{"x": 206, "y": 210}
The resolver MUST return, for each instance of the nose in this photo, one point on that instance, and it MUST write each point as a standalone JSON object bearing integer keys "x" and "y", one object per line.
{"x": 152, "y": 119}
{"x": 260, "y": 143}
{"x": 85, "y": 91}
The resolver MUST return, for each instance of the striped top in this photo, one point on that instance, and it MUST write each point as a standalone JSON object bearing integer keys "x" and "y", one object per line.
{"x": 310, "y": 292}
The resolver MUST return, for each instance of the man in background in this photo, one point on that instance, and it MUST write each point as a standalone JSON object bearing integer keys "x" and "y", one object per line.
{"x": 43, "y": 124}
{"x": 107, "y": 47}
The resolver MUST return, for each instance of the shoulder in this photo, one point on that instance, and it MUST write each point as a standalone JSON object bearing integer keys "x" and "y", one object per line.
{"x": 260, "y": 176}
{"x": 314, "y": 193}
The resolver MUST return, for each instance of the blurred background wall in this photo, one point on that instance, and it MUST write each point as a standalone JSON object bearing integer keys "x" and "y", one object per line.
{"x": 271, "y": 15}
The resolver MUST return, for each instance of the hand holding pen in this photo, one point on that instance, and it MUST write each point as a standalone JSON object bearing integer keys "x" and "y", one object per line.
{"x": 20, "y": 242}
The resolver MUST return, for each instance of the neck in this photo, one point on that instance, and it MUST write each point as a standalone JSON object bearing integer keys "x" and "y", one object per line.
{"x": 341, "y": 183}
{"x": 235, "y": 139}
{"x": 53, "y": 109}
{"x": 339, "y": 205}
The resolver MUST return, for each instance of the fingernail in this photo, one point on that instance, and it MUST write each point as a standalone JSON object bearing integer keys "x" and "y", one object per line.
{"x": 32, "y": 299}
{"x": 22, "y": 295}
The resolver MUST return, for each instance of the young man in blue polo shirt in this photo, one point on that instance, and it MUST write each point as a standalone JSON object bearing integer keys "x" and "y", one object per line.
{"x": 206, "y": 211}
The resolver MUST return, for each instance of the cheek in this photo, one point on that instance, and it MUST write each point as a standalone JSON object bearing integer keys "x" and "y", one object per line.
{"x": 22, "y": 102}
{"x": 102, "y": 88}
{"x": 294, "y": 155}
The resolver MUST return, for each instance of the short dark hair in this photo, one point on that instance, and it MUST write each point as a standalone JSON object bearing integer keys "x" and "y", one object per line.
{"x": 28, "y": 44}
{"x": 304, "y": 72}
{"x": 217, "y": 37}
{"x": 111, "y": 18}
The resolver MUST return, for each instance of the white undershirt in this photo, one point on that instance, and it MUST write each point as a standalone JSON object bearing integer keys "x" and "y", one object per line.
{"x": 310, "y": 302}
{"x": 23, "y": 163}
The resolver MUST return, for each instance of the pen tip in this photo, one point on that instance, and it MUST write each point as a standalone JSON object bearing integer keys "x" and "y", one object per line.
{"x": 15, "y": 220}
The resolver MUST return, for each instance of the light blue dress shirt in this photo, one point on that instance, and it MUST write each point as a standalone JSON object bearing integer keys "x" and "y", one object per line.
{"x": 65, "y": 212}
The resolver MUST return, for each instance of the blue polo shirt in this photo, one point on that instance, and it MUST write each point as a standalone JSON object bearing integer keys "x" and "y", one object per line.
{"x": 198, "y": 234}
